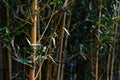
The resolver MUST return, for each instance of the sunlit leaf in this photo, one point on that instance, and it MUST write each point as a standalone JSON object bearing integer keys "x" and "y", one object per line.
{"x": 53, "y": 39}
{"x": 7, "y": 38}
{"x": 100, "y": 31}
{"x": 66, "y": 31}
{"x": 44, "y": 48}
{"x": 7, "y": 31}
{"x": 58, "y": 2}
{"x": 81, "y": 47}
{"x": 44, "y": 57}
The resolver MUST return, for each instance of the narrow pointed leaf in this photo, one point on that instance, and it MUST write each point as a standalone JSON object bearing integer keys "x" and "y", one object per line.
{"x": 66, "y": 31}
{"x": 25, "y": 61}
{"x": 53, "y": 39}
{"x": 28, "y": 41}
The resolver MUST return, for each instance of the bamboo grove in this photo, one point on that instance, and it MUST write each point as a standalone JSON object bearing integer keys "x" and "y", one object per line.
{"x": 59, "y": 40}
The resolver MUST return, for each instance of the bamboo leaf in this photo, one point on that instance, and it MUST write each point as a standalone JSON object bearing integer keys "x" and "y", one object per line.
{"x": 28, "y": 41}
{"x": 44, "y": 48}
{"x": 66, "y": 31}
{"x": 83, "y": 55}
{"x": 25, "y": 61}
{"x": 100, "y": 31}
{"x": 7, "y": 38}
{"x": 108, "y": 38}
{"x": 44, "y": 57}
{"x": 53, "y": 39}
{"x": 58, "y": 2}
{"x": 37, "y": 57}
{"x": 27, "y": 50}
{"x": 51, "y": 3}
{"x": 18, "y": 32}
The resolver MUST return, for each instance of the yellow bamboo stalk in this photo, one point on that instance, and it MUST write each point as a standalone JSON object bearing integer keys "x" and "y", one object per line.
{"x": 33, "y": 37}
{"x": 39, "y": 65}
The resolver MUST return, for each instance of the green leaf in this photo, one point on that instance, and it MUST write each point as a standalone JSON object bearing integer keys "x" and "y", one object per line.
{"x": 51, "y": 3}
{"x": 44, "y": 57}
{"x": 7, "y": 38}
{"x": 58, "y": 2}
{"x": 18, "y": 32}
{"x": 108, "y": 38}
{"x": 7, "y": 30}
{"x": 39, "y": 51}
{"x": 83, "y": 56}
{"x": 27, "y": 50}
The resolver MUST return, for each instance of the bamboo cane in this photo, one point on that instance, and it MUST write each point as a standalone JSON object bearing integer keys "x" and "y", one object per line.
{"x": 97, "y": 46}
{"x": 8, "y": 48}
{"x": 33, "y": 37}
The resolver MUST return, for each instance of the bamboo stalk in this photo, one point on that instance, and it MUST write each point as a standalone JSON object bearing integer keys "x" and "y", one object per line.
{"x": 112, "y": 65}
{"x": 33, "y": 38}
{"x": 40, "y": 62}
{"x": 1, "y": 62}
{"x": 49, "y": 69}
{"x": 108, "y": 66}
{"x": 113, "y": 40}
{"x": 0, "y": 55}
{"x": 97, "y": 46}
{"x": 9, "y": 64}
{"x": 55, "y": 66}
{"x": 8, "y": 48}
{"x": 61, "y": 66}
{"x": 119, "y": 71}
{"x": 65, "y": 47}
